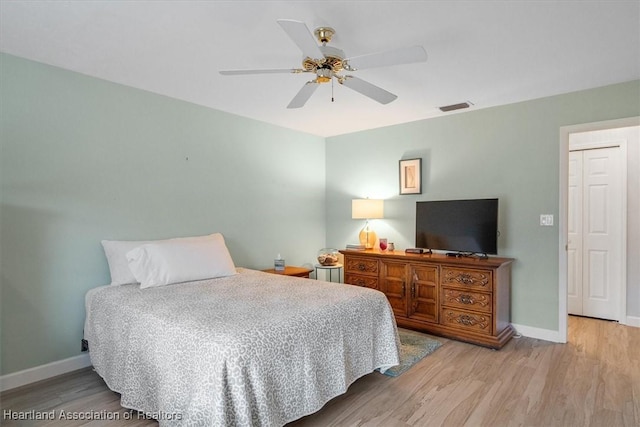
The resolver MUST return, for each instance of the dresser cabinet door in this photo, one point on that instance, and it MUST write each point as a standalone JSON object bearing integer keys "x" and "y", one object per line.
{"x": 393, "y": 284}
{"x": 423, "y": 293}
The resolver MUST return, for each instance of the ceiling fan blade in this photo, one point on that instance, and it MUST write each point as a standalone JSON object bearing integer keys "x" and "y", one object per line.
{"x": 302, "y": 37}
{"x": 405, "y": 55}
{"x": 367, "y": 89}
{"x": 266, "y": 71}
{"x": 303, "y": 95}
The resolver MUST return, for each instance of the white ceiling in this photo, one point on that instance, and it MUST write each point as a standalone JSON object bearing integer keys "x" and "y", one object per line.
{"x": 486, "y": 52}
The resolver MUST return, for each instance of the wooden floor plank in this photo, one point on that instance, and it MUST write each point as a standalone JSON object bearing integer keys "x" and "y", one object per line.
{"x": 594, "y": 380}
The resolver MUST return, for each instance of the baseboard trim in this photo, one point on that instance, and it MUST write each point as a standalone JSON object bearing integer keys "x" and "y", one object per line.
{"x": 43, "y": 372}
{"x": 538, "y": 333}
{"x": 633, "y": 321}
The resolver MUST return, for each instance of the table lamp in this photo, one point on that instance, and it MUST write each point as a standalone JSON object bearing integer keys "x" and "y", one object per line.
{"x": 367, "y": 209}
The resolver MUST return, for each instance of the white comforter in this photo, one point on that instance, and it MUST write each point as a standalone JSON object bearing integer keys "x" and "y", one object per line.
{"x": 250, "y": 349}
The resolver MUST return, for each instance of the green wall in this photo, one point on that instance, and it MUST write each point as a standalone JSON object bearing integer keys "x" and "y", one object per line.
{"x": 83, "y": 160}
{"x": 510, "y": 152}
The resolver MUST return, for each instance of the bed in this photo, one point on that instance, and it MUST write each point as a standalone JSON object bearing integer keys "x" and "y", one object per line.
{"x": 252, "y": 348}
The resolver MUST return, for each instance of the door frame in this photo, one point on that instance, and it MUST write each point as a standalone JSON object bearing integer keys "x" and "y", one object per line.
{"x": 563, "y": 221}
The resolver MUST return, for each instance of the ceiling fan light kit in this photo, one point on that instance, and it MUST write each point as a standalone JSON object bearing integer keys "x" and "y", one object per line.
{"x": 327, "y": 62}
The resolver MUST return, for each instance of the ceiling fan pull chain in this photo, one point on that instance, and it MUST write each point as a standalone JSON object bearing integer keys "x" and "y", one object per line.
{"x": 332, "y": 100}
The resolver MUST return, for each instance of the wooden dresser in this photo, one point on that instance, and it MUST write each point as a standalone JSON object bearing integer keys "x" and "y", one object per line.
{"x": 466, "y": 299}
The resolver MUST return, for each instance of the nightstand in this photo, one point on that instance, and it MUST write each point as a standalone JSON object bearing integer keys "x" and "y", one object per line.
{"x": 337, "y": 267}
{"x": 291, "y": 271}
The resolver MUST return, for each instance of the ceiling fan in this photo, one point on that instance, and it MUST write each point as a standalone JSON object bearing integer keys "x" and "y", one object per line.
{"x": 328, "y": 63}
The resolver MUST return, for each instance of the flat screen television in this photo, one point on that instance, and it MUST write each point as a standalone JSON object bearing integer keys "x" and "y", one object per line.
{"x": 458, "y": 225}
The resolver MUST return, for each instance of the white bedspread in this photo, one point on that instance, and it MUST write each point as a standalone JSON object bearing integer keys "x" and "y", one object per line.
{"x": 251, "y": 349}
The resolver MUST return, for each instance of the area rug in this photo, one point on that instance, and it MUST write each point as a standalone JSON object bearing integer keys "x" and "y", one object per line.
{"x": 414, "y": 346}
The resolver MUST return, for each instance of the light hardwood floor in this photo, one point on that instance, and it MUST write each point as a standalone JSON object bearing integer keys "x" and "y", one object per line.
{"x": 594, "y": 380}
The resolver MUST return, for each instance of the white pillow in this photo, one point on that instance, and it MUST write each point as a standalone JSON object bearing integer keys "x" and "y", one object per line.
{"x": 176, "y": 261}
{"x": 116, "y": 253}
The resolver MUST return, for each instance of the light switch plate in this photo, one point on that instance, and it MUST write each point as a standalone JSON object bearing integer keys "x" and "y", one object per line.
{"x": 546, "y": 220}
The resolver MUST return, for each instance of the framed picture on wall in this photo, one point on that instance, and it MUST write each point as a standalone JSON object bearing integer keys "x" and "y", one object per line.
{"x": 411, "y": 176}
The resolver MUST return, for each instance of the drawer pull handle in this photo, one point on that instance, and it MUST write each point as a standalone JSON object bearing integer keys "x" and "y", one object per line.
{"x": 361, "y": 267}
{"x": 360, "y": 282}
{"x": 466, "y": 299}
{"x": 467, "y": 279}
{"x": 403, "y": 288}
{"x": 466, "y": 320}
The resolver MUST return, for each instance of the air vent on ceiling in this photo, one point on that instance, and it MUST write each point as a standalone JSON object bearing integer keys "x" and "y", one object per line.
{"x": 455, "y": 106}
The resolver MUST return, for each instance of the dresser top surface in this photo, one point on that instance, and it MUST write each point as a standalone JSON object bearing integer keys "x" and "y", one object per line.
{"x": 440, "y": 258}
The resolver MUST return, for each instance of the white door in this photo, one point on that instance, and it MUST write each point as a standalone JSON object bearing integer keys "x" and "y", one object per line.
{"x": 595, "y": 233}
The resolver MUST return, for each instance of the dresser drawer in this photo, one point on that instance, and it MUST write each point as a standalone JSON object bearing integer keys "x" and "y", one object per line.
{"x": 466, "y": 299}
{"x": 358, "y": 280}
{"x": 361, "y": 266}
{"x": 467, "y": 320}
{"x": 467, "y": 278}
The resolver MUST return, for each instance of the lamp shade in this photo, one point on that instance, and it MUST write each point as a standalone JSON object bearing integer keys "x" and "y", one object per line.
{"x": 367, "y": 209}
